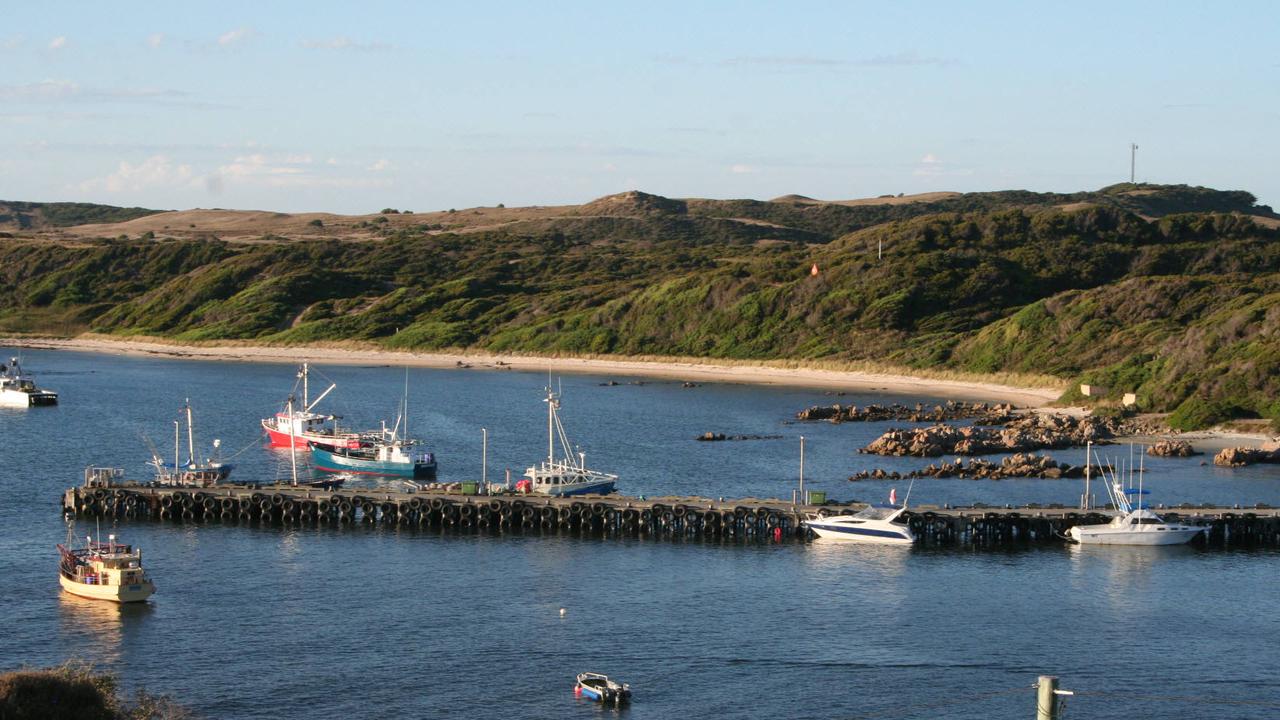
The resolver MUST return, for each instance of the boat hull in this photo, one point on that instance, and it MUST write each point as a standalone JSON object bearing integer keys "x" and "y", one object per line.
{"x": 330, "y": 461}
{"x": 282, "y": 439}
{"x": 13, "y": 398}
{"x": 860, "y": 533}
{"x": 1107, "y": 535}
{"x": 109, "y": 593}
{"x": 603, "y": 487}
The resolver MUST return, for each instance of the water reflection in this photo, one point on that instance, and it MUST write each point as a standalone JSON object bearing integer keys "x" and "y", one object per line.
{"x": 96, "y": 627}
{"x": 1130, "y": 570}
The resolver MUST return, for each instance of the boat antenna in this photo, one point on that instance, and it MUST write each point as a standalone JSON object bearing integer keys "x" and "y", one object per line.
{"x": 293, "y": 442}
{"x": 191, "y": 437}
{"x": 908, "y": 496}
{"x": 406, "y": 402}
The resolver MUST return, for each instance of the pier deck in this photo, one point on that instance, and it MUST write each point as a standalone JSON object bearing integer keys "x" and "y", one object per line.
{"x": 743, "y": 519}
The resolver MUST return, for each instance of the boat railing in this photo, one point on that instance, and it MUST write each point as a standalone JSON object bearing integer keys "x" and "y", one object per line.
{"x": 95, "y": 477}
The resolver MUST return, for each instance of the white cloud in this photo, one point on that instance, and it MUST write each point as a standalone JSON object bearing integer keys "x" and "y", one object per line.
{"x": 13, "y": 42}
{"x": 740, "y": 169}
{"x": 929, "y": 159}
{"x": 380, "y": 165}
{"x": 931, "y": 166}
{"x": 58, "y": 43}
{"x": 155, "y": 40}
{"x": 155, "y": 171}
{"x": 342, "y": 42}
{"x": 235, "y": 37}
{"x": 261, "y": 170}
{"x": 331, "y": 161}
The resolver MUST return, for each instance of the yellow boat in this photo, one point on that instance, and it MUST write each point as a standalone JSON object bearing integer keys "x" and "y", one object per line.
{"x": 104, "y": 571}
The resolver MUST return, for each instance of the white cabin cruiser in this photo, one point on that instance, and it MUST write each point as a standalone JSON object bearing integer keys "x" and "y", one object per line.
{"x": 873, "y": 524}
{"x": 18, "y": 389}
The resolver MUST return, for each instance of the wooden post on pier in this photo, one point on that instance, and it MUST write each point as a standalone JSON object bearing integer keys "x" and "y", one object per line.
{"x": 1047, "y": 698}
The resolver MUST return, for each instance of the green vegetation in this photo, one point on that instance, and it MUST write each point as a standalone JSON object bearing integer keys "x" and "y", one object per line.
{"x": 75, "y": 692}
{"x": 1170, "y": 292}
{"x": 28, "y": 215}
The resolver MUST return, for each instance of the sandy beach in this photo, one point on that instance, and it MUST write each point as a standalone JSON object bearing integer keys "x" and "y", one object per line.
{"x": 690, "y": 371}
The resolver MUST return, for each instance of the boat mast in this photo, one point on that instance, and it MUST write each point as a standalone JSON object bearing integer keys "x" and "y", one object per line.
{"x": 1084, "y": 499}
{"x": 293, "y": 442}
{"x": 304, "y": 387}
{"x": 191, "y": 437}
{"x": 551, "y": 410}
{"x": 175, "y": 446}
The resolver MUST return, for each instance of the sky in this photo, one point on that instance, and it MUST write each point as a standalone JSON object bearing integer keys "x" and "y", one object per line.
{"x": 353, "y": 107}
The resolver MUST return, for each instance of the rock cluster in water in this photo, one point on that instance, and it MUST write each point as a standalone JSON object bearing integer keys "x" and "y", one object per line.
{"x": 1025, "y": 434}
{"x": 982, "y": 413}
{"x": 1241, "y": 456}
{"x": 1018, "y": 465}
{"x": 717, "y": 437}
{"x": 1172, "y": 448}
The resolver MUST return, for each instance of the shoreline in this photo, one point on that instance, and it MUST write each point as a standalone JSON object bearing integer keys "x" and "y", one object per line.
{"x": 689, "y": 371}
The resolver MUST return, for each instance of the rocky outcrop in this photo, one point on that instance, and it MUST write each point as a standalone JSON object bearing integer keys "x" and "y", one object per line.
{"x": 1028, "y": 433}
{"x": 1241, "y": 456}
{"x": 1172, "y": 448}
{"x": 981, "y": 413}
{"x": 1018, "y": 465}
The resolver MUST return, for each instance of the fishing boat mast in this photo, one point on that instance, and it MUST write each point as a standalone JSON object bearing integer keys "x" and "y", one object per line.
{"x": 191, "y": 438}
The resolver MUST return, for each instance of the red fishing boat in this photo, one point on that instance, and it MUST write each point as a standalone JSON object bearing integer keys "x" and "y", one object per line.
{"x": 298, "y": 425}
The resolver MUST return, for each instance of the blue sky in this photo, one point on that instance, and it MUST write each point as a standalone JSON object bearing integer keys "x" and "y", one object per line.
{"x": 297, "y": 106}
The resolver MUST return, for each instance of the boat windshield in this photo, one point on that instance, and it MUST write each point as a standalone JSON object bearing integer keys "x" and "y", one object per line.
{"x": 876, "y": 512}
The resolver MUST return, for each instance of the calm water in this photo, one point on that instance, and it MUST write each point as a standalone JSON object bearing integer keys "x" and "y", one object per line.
{"x": 374, "y": 622}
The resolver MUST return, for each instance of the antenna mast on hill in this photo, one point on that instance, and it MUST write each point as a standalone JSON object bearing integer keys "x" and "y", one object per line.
{"x": 1133, "y": 159}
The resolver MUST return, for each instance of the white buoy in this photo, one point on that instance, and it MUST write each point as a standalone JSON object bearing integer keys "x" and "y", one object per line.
{"x": 561, "y": 612}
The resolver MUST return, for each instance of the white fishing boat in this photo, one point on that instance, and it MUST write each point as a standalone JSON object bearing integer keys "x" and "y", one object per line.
{"x": 18, "y": 389}
{"x": 602, "y": 689}
{"x": 567, "y": 475}
{"x": 1135, "y": 523}
{"x": 194, "y": 472}
{"x": 873, "y": 524}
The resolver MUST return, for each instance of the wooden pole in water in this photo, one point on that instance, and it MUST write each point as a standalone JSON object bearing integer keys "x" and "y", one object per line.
{"x": 1047, "y": 698}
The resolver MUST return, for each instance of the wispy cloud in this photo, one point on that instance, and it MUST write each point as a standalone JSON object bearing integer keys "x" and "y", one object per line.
{"x": 343, "y": 42}
{"x": 742, "y": 169}
{"x": 155, "y": 171}
{"x": 58, "y": 43}
{"x": 235, "y": 37}
{"x": 380, "y": 165}
{"x": 931, "y": 166}
{"x": 12, "y": 42}
{"x": 297, "y": 170}
{"x": 155, "y": 40}
{"x": 67, "y": 91}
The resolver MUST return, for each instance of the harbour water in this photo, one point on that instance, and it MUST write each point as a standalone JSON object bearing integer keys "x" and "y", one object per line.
{"x": 262, "y": 622}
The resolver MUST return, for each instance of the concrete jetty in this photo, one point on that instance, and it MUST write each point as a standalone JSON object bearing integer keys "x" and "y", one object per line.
{"x": 740, "y": 520}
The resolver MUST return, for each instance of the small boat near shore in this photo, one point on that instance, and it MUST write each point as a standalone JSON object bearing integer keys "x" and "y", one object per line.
{"x": 598, "y": 687}
{"x": 568, "y": 475}
{"x": 299, "y": 425}
{"x": 109, "y": 571}
{"x": 18, "y": 389}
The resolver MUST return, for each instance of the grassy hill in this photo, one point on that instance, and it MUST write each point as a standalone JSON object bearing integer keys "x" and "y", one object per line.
{"x": 1172, "y": 292}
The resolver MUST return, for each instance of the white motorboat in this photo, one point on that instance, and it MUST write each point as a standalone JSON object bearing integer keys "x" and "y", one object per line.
{"x": 567, "y": 475}
{"x": 873, "y": 524}
{"x": 1135, "y": 523}
{"x": 18, "y": 389}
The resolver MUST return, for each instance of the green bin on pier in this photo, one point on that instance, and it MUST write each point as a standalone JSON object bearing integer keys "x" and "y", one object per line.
{"x": 470, "y": 488}
{"x": 816, "y": 497}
